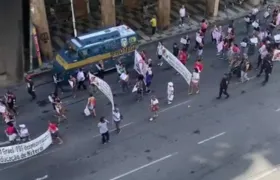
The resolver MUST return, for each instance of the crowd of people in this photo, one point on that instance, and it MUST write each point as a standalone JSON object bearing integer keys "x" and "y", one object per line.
{"x": 260, "y": 36}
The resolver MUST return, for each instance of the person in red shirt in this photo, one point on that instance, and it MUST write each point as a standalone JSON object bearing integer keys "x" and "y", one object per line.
{"x": 198, "y": 65}
{"x": 183, "y": 57}
{"x": 11, "y": 133}
{"x": 143, "y": 55}
{"x": 204, "y": 26}
{"x": 53, "y": 129}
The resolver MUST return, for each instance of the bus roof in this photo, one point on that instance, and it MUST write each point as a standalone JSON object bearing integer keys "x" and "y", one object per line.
{"x": 98, "y": 37}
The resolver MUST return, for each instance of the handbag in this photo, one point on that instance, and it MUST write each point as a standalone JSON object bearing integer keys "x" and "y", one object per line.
{"x": 87, "y": 111}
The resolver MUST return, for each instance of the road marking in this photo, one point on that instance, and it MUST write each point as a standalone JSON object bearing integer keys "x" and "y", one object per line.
{"x": 144, "y": 166}
{"x": 277, "y": 110}
{"x": 265, "y": 174}
{"x": 213, "y": 137}
{"x": 174, "y": 106}
{"x": 125, "y": 125}
{"x": 42, "y": 178}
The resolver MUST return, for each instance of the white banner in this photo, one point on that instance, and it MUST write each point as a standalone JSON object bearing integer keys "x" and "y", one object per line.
{"x": 105, "y": 89}
{"x": 22, "y": 151}
{"x": 176, "y": 64}
{"x": 276, "y": 55}
{"x": 140, "y": 65}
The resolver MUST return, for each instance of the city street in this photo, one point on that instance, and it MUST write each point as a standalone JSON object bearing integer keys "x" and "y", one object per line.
{"x": 195, "y": 138}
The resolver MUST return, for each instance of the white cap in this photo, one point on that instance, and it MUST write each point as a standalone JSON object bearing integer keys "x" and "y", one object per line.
{"x": 22, "y": 126}
{"x": 170, "y": 84}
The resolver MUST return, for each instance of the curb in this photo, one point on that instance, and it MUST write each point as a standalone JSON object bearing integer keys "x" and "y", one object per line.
{"x": 48, "y": 67}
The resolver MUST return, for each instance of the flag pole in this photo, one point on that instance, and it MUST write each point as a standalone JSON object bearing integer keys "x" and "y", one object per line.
{"x": 73, "y": 18}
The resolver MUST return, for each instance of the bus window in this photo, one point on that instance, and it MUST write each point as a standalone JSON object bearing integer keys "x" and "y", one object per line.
{"x": 94, "y": 51}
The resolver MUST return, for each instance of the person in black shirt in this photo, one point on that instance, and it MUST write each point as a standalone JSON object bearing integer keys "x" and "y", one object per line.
{"x": 267, "y": 68}
{"x": 100, "y": 70}
{"x": 30, "y": 88}
{"x": 223, "y": 86}
{"x": 57, "y": 83}
{"x": 248, "y": 20}
{"x": 175, "y": 50}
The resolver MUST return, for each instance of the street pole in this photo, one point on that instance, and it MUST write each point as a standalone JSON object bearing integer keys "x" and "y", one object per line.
{"x": 73, "y": 18}
{"x": 88, "y": 7}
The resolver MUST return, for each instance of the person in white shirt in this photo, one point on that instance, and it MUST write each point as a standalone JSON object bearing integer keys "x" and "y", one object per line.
{"x": 194, "y": 82}
{"x": 24, "y": 133}
{"x": 170, "y": 92}
{"x": 262, "y": 54}
{"x": 81, "y": 79}
{"x": 103, "y": 129}
{"x": 159, "y": 53}
{"x": 182, "y": 13}
{"x": 154, "y": 107}
{"x": 117, "y": 117}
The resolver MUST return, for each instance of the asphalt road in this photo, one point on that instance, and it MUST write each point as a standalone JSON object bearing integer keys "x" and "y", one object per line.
{"x": 196, "y": 138}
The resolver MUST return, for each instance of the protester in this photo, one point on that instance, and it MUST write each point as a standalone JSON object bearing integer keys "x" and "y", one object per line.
{"x": 194, "y": 85}
{"x": 185, "y": 41}
{"x": 11, "y": 102}
{"x": 91, "y": 104}
{"x": 154, "y": 107}
{"x": 248, "y": 20}
{"x": 224, "y": 86}
{"x": 140, "y": 87}
{"x": 117, "y": 117}
{"x": 124, "y": 81}
{"x": 159, "y": 53}
{"x": 175, "y": 50}
{"x": 60, "y": 110}
{"x": 183, "y": 57}
{"x": 198, "y": 65}
{"x": 204, "y": 26}
{"x": 24, "y": 133}
{"x": 53, "y": 129}
{"x": 11, "y": 133}
{"x": 182, "y": 13}
{"x": 52, "y": 98}
{"x": 100, "y": 70}
{"x": 245, "y": 68}
{"x": 170, "y": 92}
{"x": 81, "y": 79}
{"x": 143, "y": 55}
{"x": 73, "y": 84}
{"x": 149, "y": 78}
{"x": 104, "y": 131}
{"x": 267, "y": 67}
{"x": 57, "y": 80}
{"x": 30, "y": 87}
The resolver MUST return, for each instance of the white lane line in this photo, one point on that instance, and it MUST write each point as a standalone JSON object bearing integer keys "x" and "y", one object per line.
{"x": 265, "y": 174}
{"x": 144, "y": 166}
{"x": 277, "y": 110}
{"x": 174, "y": 106}
{"x": 125, "y": 125}
{"x": 42, "y": 178}
{"x": 213, "y": 137}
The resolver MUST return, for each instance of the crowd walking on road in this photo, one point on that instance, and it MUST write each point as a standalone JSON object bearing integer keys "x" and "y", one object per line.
{"x": 261, "y": 38}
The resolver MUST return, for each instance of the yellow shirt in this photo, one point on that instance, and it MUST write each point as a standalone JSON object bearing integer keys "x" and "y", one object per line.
{"x": 153, "y": 22}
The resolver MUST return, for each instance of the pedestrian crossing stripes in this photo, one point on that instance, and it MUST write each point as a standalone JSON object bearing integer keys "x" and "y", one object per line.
{"x": 63, "y": 30}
